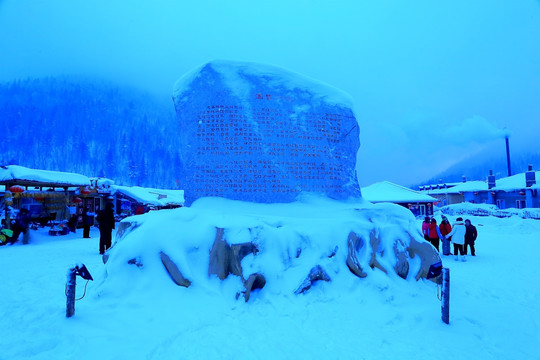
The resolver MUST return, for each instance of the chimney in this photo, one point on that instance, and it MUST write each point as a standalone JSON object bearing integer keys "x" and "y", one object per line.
{"x": 463, "y": 178}
{"x": 508, "y": 156}
{"x": 530, "y": 177}
{"x": 491, "y": 180}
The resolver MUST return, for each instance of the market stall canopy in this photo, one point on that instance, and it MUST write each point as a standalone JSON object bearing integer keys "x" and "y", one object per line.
{"x": 20, "y": 175}
{"x": 386, "y": 191}
{"x": 150, "y": 196}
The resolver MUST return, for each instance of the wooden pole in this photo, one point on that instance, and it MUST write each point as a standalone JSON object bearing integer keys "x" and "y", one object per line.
{"x": 70, "y": 293}
{"x": 445, "y": 307}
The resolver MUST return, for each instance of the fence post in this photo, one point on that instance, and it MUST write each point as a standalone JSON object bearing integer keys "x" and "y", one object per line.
{"x": 445, "y": 307}
{"x": 70, "y": 292}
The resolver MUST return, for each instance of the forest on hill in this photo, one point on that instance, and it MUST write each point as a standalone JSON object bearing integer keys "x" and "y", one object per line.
{"x": 89, "y": 127}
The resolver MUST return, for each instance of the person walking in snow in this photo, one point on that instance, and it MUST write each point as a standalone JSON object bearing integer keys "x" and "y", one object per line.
{"x": 105, "y": 218}
{"x": 458, "y": 238}
{"x": 88, "y": 220}
{"x": 425, "y": 228}
{"x": 445, "y": 229}
{"x": 470, "y": 236}
{"x": 434, "y": 233}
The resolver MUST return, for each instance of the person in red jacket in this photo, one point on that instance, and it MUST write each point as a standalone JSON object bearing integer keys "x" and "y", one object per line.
{"x": 445, "y": 229}
{"x": 425, "y": 227}
{"x": 434, "y": 233}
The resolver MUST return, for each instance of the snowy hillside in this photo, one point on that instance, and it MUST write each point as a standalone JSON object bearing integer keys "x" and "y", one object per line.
{"x": 89, "y": 127}
{"x": 494, "y": 308}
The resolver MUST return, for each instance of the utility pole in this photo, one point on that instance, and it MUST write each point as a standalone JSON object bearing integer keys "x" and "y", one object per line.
{"x": 445, "y": 308}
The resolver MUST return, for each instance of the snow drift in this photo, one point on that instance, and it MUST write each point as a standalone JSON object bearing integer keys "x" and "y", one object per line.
{"x": 238, "y": 247}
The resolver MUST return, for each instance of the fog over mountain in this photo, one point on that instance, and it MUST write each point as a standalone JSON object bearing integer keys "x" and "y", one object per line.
{"x": 97, "y": 128}
{"x": 477, "y": 167}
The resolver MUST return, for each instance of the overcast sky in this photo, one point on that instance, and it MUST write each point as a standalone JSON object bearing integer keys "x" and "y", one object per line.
{"x": 433, "y": 81}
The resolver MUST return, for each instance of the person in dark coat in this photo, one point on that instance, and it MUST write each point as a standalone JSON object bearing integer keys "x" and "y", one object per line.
{"x": 88, "y": 220}
{"x": 72, "y": 223}
{"x": 22, "y": 223}
{"x": 470, "y": 236}
{"x": 105, "y": 218}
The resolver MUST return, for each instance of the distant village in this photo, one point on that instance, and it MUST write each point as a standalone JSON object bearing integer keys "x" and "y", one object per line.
{"x": 57, "y": 196}
{"x": 519, "y": 191}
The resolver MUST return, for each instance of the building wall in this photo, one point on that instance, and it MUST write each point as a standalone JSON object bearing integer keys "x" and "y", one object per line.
{"x": 506, "y": 200}
{"x": 455, "y": 199}
{"x": 481, "y": 197}
{"x": 419, "y": 209}
{"x": 532, "y": 198}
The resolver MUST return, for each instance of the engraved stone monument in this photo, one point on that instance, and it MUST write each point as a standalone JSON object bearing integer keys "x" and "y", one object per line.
{"x": 259, "y": 133}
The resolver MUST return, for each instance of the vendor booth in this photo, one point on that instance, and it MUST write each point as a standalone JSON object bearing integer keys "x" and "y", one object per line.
{"x": 47, "y": 195}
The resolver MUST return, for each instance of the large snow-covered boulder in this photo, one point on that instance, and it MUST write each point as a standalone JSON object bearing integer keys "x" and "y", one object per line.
{"x": 259, "y": 133}
{"x": 282, "y": 248}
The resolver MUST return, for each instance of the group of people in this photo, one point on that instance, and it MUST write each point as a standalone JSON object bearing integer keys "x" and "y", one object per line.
{"x": 461, "y": 234}
{"x": 105, "y": 219}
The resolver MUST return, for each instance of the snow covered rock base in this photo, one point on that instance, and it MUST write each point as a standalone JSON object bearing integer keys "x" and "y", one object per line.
{"x": 259, "y": 133}
{"x": 240, "y": 247}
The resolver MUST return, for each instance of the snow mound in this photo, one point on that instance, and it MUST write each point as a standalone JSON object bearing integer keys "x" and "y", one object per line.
{"x": 468, "y": 208}
{"x": 276, "y": 246}
{"x": 235, "y": 73}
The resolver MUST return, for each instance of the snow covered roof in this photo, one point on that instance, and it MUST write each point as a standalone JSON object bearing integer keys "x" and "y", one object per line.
{"x": 515, "y": 182}
{"x": 150, "y": 196}
{"x": 437, "y": 186}
{"x": 386, "y": 191}
{"x": 32, "y": 177}
{"x": 469, "y": 186}
{"x": 101, "y": 182}
{"x": 510, "y": 183}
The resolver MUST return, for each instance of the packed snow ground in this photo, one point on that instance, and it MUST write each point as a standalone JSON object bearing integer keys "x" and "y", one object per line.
{"x": 495, "y": 309}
